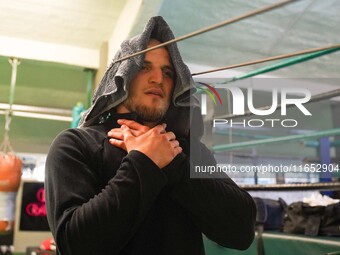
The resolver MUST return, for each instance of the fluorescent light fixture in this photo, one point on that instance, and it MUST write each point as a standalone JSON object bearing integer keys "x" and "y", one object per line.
{"x": 39, "y": 116}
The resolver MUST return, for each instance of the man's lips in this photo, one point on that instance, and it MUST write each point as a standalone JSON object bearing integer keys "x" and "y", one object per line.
{"x": 154, "y": 91}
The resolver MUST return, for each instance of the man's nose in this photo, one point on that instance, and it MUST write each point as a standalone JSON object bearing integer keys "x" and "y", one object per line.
{"x": 156, "y": 76}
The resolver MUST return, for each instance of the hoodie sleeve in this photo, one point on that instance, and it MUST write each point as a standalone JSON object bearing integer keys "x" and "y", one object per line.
{"x": 224, "y": 212}
{"x": 86, "y": 218}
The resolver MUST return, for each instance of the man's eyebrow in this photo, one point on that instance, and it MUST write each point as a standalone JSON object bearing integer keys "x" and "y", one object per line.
{"x": 168, "y": 67}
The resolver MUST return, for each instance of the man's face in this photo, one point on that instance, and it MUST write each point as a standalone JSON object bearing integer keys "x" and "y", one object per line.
{"x": 150, "y": 91}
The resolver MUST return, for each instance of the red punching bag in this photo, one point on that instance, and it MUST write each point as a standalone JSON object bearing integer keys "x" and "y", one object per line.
{"x": 10, "y": 165}
{"x": 10, "y": 177}
{"x": 10, "y": 172}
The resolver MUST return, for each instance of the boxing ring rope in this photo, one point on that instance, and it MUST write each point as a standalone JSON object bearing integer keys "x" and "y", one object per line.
{"x": 210, "y": 28}
{"x": 294, "y": 54}
{"x": 282, "y": 64}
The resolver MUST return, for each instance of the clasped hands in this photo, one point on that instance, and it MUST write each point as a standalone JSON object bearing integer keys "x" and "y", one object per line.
{"x": 156, "y": 143}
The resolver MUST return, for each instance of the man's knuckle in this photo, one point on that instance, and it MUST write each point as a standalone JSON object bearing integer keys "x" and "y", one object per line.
{"x": 154, "y": 131}
{"x": 164, "y": 138}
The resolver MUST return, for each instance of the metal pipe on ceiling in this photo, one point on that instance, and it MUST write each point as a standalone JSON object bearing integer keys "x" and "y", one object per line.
{"x": 28, "y": 111}
{"x": 38, "y": 115}
{"x": 36, "y": 109}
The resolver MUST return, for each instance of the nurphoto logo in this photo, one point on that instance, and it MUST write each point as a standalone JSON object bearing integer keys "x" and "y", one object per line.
{"x": 281, "y": 98}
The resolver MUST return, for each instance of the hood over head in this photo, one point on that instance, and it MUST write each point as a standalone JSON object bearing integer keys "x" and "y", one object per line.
{"x": 113, "y": 88}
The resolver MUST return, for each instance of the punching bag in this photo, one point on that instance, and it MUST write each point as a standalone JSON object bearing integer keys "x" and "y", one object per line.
{"x": 10, "y": 177}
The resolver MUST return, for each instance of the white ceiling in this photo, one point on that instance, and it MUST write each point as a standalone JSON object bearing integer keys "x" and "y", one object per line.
{"x": 70, "y": 32}
{"x": 81, "y": 23}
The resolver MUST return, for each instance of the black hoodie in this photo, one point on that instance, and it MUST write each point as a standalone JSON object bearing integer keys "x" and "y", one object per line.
{"x": 101, "y": 200}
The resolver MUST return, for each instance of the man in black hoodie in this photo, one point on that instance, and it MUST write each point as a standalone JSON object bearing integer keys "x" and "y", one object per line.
{"x": 120, "y": 184}
{"x": 149, "y": 96}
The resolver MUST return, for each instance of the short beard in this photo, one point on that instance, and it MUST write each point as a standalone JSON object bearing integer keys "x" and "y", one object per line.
{"x": 146, "y": 113}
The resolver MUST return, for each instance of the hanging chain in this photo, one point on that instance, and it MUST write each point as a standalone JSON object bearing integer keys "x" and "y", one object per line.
{"x": 5, "y": 146}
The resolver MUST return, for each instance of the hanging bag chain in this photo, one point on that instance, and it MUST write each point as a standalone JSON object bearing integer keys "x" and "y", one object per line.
{"x": 5, "y": 146}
